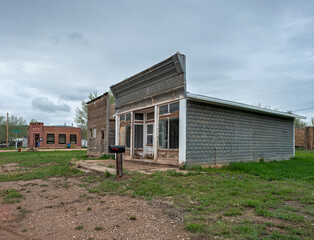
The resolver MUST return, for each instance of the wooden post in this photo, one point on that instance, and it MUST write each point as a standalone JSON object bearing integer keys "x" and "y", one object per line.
{"x": 7, "y": 129}
{"x": 119, "y": 166}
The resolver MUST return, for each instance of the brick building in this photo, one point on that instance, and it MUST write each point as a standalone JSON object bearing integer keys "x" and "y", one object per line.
{"x": 100, "y": 126}
{"x": 299, "y": 137}
{"x": 309, "y": 138}
{"x": 53, "y": 136}
{"x": 304, "y": 138}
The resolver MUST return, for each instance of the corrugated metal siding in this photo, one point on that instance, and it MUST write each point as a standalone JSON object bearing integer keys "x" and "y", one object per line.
{"x": 237, "y": 135}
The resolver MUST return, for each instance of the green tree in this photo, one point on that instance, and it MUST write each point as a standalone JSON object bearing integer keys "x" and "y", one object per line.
{"x": 33, "y": 121}
{"x": 111, "y": 98}
{"x": 81, "y": 114}
{"x": 312, "y": 121}
{"x": 15, "y": 123}
{"x": 298, "y": 123}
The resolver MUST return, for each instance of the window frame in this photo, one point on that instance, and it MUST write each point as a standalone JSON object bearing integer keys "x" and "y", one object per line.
{"x": 65, "y": 138}
{"x": 71, "y": 135}
{"x": 168, "y": 116}
{"x": 50, "y": 142}
{"x": 149, "y": 134}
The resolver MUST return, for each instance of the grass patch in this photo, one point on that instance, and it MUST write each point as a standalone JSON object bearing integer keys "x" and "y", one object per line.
{"x": 41, "y": 164}
{"x": 11, "y": 196}
{"x": 219, "y": 202}
{"x": 300, "y": 167}
{"x": 195, "y": 228}
{"x": 79, "y": 227}
{"x": 132, "y": 218}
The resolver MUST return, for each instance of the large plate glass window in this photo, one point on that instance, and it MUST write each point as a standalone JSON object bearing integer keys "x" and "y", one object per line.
{"x": 138, "y": 136}
{"x": 127, "y": 135}
{"x": 174, "y": 133}
{"x": 163, "y": 133}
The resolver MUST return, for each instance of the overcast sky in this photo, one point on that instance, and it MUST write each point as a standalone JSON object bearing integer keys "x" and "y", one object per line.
{"x": 53, "y": 53}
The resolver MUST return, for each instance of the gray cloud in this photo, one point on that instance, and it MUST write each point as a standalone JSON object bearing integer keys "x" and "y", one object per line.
{"x": 235, "y": 50}
{"x": 77, "y": 38}
{"x": 43, "y": 104}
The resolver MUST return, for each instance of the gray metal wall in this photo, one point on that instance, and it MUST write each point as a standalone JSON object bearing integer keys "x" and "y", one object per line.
{"x": 237, "y": 135}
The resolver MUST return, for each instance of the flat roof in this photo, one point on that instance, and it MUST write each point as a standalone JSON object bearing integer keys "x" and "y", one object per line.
{"x": 231, "y": 104}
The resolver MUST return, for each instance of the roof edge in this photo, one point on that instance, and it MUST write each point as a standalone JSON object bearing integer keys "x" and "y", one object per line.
{"x": 97, "y": 98}
{"x": 227, "y": 103}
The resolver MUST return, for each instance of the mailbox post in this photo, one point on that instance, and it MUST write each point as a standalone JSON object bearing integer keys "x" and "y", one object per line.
{"x": 118, "y": 150}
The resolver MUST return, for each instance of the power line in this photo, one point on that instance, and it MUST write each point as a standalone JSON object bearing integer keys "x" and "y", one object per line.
{"x": 288, "y": 106}
{"x": 303, "y": 109}
{"x": 285, "y": 88}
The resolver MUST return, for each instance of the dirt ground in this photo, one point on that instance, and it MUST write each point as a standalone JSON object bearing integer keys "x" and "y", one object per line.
{"x": 60, "y": 208}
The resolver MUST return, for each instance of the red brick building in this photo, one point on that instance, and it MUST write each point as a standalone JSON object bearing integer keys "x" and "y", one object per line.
{"x": 53, "y": 136}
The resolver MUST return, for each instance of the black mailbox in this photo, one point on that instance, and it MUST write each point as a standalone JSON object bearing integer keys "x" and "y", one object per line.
{"x": 117, "y": 149}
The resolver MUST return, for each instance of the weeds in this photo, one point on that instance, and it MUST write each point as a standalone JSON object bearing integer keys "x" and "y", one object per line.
{"x": 11, "y": 196}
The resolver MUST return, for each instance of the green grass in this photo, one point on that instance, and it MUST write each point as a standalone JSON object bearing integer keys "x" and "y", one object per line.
{"x": 11, "y": 196}
{"x": 300, "y": 167}
{"x": 234, "y": 202}
{"x": 264, "y": 200}
{"x": 40, "y": 165}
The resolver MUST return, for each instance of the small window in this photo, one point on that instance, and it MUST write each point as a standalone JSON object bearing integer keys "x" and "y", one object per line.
{"x": 62, "y": 138}
{"x": 150, "y": 139}
{"x": 174, "y": 107}
{"x": 73, "y": 139}
{"x": 150, "y": 129}
{"x": 50, "y": 138}
{"x": 102, "y": 135}
{"x": 94, "y": 132}
{"x": 122, "y": 117}
{"x": 139, "y": 116}
{"x": 128, "y": 117}
{"x": 91, "y": 133}
{"x": 163, "y": 109}
{"x": 150, "y": 116}
{"x": 150, "y": 132}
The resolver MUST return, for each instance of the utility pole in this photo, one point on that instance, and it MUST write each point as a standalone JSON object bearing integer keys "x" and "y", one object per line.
{"x": 7, "y": 129}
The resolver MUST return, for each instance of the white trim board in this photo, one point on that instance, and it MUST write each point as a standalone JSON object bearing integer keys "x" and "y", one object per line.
{"x": 182, "y": 131}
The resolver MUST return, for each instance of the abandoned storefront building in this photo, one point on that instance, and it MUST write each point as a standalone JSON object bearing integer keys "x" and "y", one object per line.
{"x": 100, "y": 126}
{"x": 159, "y": 121}
{"x": 53, "y": 136}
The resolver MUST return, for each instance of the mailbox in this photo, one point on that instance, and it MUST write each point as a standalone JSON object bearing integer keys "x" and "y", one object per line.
{"x": 117, "y": 149}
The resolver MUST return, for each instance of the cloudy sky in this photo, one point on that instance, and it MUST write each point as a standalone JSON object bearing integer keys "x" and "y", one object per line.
{"x": 53, "y": 53}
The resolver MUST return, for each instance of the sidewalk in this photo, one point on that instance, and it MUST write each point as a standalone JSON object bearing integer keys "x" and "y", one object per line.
{"x": 48, "y": 149}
